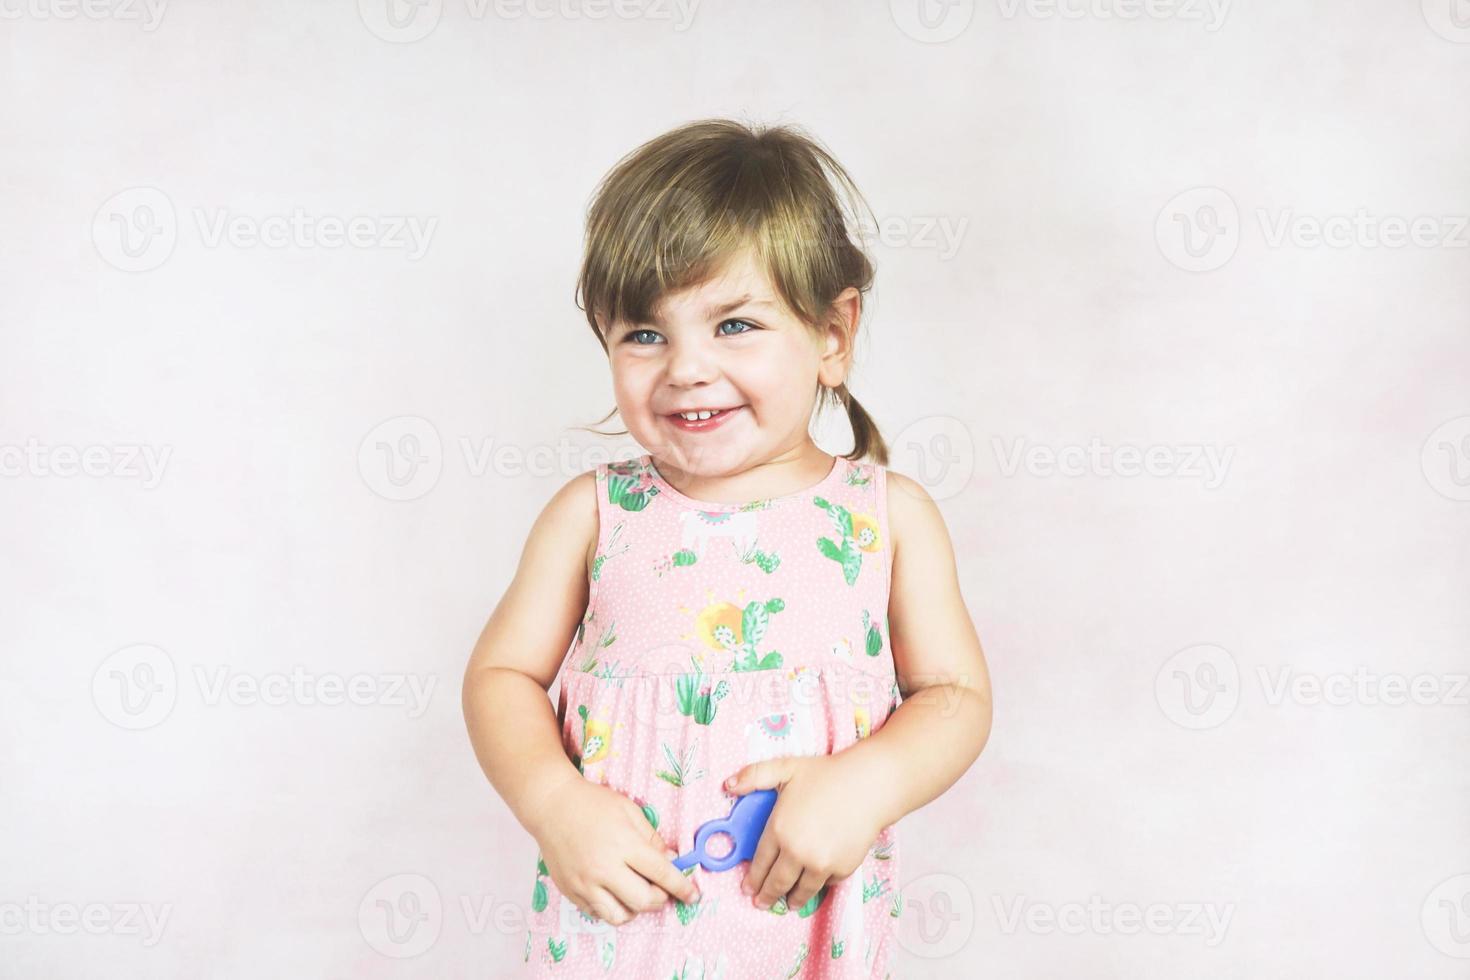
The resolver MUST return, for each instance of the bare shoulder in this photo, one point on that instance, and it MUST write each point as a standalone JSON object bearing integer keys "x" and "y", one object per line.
{"x": 930, "y": 628}
{"x": 914, "y": 517}
{"x": 536, "y": 618}
{"x": 571, "y": 515}
{"x": 568, "y": 521}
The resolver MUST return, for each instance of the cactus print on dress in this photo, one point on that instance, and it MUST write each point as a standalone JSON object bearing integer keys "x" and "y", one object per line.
{"x": 717, "y": 635}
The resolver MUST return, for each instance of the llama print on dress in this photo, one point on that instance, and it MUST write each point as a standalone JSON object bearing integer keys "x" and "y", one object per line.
{"x": 699, "y": 527}
{"x": 789, "y": 732}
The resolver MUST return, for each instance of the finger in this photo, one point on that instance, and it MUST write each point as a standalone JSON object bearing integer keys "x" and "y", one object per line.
{"x": 807, "y": 885}
{"x": 766, "y": 852}
{"x": 784, "y": 874}
{"x": 656, "y": 865}
{"x": 767, "y": 774}
{"x": 635, "y": 892}
{"x": 605, "y": 907}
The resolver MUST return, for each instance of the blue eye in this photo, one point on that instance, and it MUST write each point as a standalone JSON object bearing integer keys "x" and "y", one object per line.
{"x": 632, "y": 335}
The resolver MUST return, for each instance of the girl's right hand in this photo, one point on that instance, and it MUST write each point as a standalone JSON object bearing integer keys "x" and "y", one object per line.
{"x": 604, "y": 855}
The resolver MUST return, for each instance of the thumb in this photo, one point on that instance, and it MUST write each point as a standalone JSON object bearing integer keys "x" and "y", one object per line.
{"x": 770, "y": 774}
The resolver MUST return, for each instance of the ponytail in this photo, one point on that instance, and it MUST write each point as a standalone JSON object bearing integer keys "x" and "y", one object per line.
{"x": 867, "y": 441}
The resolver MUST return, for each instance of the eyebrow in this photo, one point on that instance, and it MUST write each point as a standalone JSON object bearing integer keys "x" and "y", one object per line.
{"x": 715, "y": 312}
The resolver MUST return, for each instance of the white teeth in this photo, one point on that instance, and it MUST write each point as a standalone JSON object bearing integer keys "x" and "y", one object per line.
{"x": 696, "y": 416}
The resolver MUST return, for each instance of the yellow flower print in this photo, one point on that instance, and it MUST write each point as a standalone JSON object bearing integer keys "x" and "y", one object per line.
{"x": 597, "y": 740}
{"x": 719, "y": 626}
{"x": 865, "y": 532}
{"x": 861, "y": 721}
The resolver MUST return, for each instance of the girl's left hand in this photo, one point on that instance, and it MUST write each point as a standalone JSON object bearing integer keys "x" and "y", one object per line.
{"x": 820, "y": 829}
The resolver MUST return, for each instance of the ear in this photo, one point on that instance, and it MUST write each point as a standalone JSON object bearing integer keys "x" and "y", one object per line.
{"x": 837, "y": 339}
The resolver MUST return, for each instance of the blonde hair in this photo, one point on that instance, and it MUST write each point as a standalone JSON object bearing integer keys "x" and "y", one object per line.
{"x": 675, "y": 209}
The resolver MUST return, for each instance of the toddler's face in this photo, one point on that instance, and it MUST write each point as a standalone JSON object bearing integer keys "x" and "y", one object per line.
{"x": 728, "y": 343}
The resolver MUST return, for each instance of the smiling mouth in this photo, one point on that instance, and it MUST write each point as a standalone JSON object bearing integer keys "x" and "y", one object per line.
{"x": 694, "y": 415}
{"x": 703, "y": 419}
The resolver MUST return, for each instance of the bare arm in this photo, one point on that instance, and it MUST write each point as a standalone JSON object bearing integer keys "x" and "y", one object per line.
{"x": 945, "y": 717}
{"x": 511, "y": 722}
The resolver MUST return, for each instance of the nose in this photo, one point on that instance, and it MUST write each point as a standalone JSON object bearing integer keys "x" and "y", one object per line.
{"x": 690, "y": 363}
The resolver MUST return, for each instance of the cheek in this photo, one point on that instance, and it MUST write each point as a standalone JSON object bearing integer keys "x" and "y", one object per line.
{"x": 781, "y": 383}
{"x": 630, "y": 382}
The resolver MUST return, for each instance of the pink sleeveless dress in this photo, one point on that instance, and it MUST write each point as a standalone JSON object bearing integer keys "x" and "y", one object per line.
{"x": 717, "y": 635}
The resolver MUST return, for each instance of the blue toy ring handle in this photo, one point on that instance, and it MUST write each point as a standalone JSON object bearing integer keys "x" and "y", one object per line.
{"x": 745, "y": 823}
{"x": 701, "y": 845}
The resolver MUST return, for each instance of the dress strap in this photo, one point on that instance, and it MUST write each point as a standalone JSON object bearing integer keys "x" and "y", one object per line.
{"x": 879, "y": 486}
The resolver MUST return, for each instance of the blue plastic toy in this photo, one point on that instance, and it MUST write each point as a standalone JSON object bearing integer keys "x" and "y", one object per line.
{"x": 744, "y": 825}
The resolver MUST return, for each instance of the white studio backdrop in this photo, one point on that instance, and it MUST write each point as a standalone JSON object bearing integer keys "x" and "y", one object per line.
{"x": 1172, "y": 317}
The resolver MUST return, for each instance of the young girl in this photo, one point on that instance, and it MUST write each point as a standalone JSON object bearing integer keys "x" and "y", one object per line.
{"x": 750, "y": 613}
